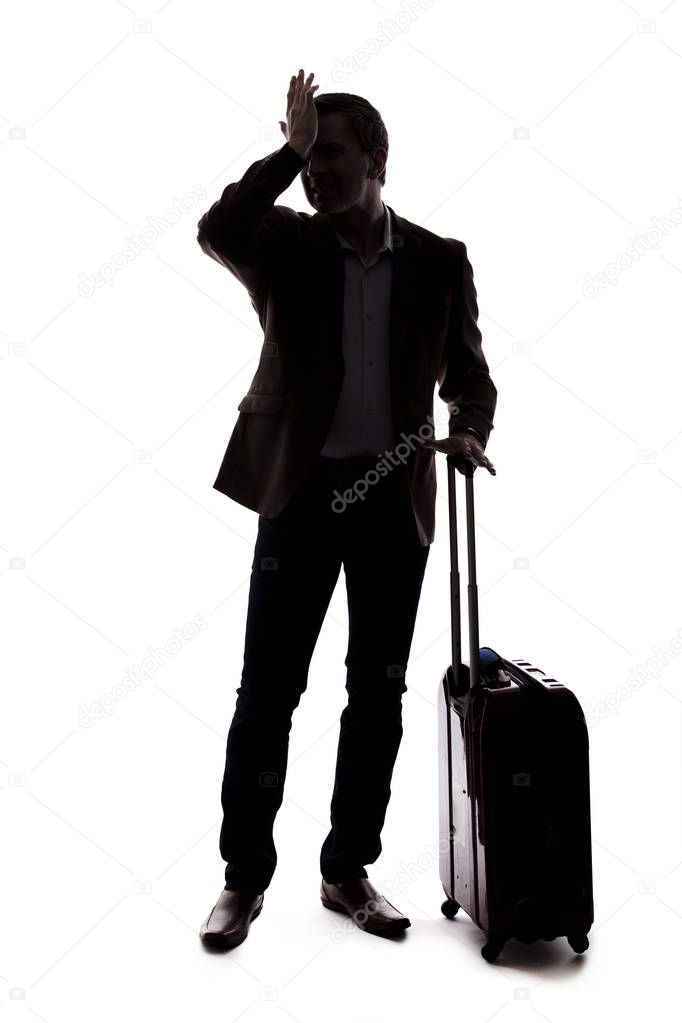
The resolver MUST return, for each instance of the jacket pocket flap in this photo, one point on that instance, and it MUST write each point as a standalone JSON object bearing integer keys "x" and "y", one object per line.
{"x": 253, "y": 402}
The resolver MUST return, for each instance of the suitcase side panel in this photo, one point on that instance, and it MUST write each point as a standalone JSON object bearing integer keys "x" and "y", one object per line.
{"x": 458, "y": 864}
{"x": 446, "y": 865}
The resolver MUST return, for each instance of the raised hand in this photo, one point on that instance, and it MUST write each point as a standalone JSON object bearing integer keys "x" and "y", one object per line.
{"x": 300, "y": 129}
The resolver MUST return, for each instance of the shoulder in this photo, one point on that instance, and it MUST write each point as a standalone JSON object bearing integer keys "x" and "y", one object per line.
{"x": 450, "y": 252}
{"x": 449, "y": 249}
{"x": 283, "y": 218}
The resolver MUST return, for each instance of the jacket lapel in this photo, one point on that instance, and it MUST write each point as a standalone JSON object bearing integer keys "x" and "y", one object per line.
{"x": 405, "y": 313}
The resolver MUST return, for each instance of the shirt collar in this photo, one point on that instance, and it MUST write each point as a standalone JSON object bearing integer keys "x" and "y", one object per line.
{"x": 388, "y": 233}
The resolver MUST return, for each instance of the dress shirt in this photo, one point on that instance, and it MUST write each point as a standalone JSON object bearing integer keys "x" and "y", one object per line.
{"x": 363, "y": 420}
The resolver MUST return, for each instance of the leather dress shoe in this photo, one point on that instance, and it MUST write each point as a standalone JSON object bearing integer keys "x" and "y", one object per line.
{"x": 228, "y": 922}
{"x": 359, "y": 899}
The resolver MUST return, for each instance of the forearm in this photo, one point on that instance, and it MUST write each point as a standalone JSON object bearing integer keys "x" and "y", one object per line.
{"x": 231, "y": 224}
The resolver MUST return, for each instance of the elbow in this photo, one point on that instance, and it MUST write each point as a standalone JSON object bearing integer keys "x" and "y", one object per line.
{"x": 203, "y": 239}
{"x": 205, "y": 234}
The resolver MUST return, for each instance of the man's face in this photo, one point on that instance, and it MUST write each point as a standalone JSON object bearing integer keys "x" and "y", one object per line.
{"x": 336, "y": 165}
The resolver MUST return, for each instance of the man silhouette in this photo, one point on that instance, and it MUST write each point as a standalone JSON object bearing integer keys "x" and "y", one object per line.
{"x": 363, "y": 313}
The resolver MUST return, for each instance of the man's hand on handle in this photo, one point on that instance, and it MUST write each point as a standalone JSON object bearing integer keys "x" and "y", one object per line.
{"x": 300, "y": 129}
{"x": 464, "y": 445}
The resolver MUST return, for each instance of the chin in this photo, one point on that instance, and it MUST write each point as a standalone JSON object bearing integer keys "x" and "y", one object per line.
{"x": 323, "y": 200}
{"x": 325, "y": 204}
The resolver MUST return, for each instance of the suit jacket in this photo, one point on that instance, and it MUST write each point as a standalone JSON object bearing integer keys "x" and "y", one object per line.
{"x": 292, "y": 266}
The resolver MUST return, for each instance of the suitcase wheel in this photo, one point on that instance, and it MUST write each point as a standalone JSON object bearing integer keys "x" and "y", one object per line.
{"x": 449, "y": 908}
{"x": 492, "y": 948}
{"x": 578, "y": 942}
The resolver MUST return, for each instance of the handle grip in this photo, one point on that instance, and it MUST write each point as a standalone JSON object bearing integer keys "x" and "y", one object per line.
{"x": 464, "y": 464}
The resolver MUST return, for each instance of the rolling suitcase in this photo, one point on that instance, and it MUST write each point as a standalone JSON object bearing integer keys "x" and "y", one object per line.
{"x": 514, "y": 800}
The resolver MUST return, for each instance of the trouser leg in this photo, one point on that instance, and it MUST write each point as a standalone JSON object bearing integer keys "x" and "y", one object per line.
{"x": 384, "y": 566}
{"x": 295, "y": 570}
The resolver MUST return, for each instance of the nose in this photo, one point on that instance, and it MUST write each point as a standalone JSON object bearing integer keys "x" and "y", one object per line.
{"x": 315, "y": 166}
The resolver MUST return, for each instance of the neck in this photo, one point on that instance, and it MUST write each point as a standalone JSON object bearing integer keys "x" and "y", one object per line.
{"x": 363, "y": 227}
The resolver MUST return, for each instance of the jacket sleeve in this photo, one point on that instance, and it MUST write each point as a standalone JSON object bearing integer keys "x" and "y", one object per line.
{"x": 463, "y": 378}
{"x": 240, "y": 230}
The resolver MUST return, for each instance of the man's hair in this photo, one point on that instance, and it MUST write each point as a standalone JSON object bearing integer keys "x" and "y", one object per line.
{"x": 366, "y": 119}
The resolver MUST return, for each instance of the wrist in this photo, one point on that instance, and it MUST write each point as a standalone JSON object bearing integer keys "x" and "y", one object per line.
{"x": 300, "y": 147}
{"x": 474, "y": 432}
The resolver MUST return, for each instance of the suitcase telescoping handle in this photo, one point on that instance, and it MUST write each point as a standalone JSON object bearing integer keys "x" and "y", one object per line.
{"x": 460, "y": 682}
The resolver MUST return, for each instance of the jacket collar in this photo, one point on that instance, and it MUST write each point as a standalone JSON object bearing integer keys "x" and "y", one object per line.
{"x": 387, "y": 242}
{"x": 396, "y": 229}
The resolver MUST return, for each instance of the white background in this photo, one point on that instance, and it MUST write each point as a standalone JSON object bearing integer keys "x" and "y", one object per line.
{"x": 116, "y": 410}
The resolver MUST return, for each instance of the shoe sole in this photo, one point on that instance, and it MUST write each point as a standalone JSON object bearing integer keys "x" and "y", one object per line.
{"x": 223, "y": 940}
{"x": 387, "y": 932}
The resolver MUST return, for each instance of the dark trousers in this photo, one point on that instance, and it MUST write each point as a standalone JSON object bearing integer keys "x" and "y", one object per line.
{"x": 296, "y": 565}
